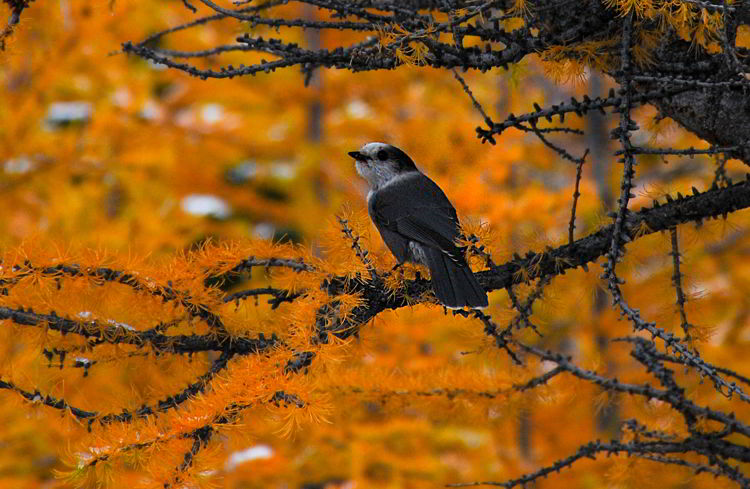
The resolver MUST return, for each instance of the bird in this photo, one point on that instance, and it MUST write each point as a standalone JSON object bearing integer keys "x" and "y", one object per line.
{"x": 417, "y": 222}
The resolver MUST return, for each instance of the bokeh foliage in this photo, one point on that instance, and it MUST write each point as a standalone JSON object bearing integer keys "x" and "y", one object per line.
{"x": 121, "y": 285}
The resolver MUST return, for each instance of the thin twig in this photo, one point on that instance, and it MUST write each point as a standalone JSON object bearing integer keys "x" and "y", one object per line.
{"x": 474, "y": 101}
{"x": 677, "y": 282}
{"x": 361, "y": 253}
{"x": 576, "y": 194}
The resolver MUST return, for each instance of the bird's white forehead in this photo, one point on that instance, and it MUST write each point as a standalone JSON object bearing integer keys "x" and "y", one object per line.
{"x": 372, "y": 148}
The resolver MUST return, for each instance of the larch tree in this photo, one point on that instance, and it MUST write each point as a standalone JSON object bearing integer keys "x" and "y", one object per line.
{"x": 191, "y": 292}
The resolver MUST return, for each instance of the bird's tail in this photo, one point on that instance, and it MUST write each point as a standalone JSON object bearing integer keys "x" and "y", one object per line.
{"x": 453, "y": 283}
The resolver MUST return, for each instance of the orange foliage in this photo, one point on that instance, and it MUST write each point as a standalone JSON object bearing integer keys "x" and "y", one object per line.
{"x": 176, "y": 182}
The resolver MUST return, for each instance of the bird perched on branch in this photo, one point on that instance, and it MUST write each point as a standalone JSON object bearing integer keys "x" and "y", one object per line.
{"x": 417, "y": 222}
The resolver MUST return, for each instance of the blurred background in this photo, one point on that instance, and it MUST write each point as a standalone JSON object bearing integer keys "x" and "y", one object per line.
{"x": 103, "y": 151}
{"x": 109, "y": 150}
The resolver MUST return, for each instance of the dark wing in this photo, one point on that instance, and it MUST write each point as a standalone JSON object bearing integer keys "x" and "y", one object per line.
{"x": 415, "y": 208}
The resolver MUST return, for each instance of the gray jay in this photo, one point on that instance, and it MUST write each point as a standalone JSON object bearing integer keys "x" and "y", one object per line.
{"x": 417, "y": 222}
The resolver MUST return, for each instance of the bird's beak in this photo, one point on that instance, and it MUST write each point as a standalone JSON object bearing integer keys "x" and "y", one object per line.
{"x": 358, "y": 156}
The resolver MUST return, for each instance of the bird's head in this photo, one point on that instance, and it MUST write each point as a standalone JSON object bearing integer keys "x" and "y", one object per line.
{"x": 379, "y": 163}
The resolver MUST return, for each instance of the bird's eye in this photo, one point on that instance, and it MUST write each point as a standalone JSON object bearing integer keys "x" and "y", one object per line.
{"x": 382, "y": 155}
